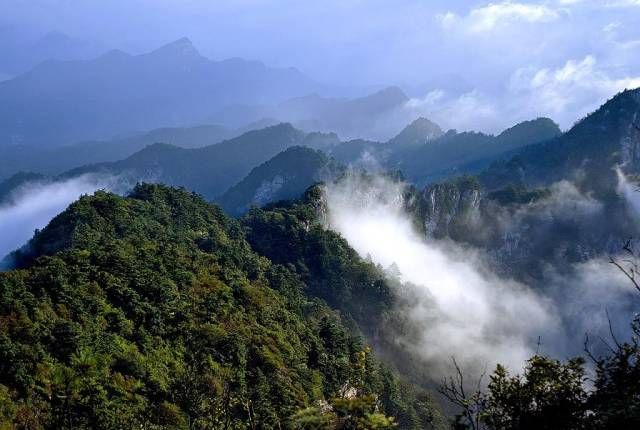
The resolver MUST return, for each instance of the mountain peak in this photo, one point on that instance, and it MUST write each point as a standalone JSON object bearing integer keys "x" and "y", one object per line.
{"x": 390, "y": 94}
{"x": 182, "y": 46}
{"x": 542, "y": 128}
{"x": 418, "y": 132}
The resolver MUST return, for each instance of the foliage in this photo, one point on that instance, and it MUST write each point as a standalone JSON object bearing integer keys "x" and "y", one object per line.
{"x": 552, "y": 395}
{"x": 153, "y": 311}
{"x": 293, "y": 235}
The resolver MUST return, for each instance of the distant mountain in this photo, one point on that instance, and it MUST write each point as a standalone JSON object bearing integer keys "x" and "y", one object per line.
{"x": 209, "y": 170}
{"x": 53, "y": 161}
{"x": 12, "y": 184}
{"x": 361, "y": 117}
{"x": 60, "y": 102}
{"x": 286, "y": 176}
{"x": 425, "y": 154}
{"x": 418, "y": 132}
{"x": 469, "y": 152}
{"x": 586, "y": 154}
{"x": 21, "y": 51}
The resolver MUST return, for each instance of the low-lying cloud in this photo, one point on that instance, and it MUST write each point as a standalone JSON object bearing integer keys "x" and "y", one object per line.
{"x": 460, "y": 308}
{"x": 456, "y": 305}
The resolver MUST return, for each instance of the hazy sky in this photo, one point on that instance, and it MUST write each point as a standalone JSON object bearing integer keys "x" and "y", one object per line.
{"x": 559, "y": 58}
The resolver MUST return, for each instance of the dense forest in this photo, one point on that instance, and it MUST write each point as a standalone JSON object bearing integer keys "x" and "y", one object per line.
{"x": 153, "y": 311}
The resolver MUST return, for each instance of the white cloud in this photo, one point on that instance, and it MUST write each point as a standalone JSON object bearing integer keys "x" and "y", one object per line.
{"x": 457, "y": 307}
{"x": 469, "y": 111}
{"x": 494, "y": 15}
{"x": 574, "y": 89}
{"x": 453, "y": 304}
{"x": 565, "y": 94}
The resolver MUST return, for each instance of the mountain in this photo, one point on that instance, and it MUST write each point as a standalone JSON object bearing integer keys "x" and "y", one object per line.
{"x": 284, "y": 177}
{"x": 117, "y": 92}
{"x": 418, "y": 132}
{"x": 209, "y": 170}
{"x": 359, "y": 117}
{"x": 425, "y": 154}
{"x": 13, "y": 183}
{"x": 153, "y": 311}
{"x": 468, "y": 152}
{"x": 553, "y": 204}
{"x": 23, "y": 50}
{"x": 586, "y": 154}
{"x": 53, "y": 161}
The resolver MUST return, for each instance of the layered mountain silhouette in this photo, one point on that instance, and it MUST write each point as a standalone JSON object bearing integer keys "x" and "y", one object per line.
{"x": 233, "y": 170}
{"x": 209, "y": 170}
{"x": 53, "y": 161}
{"x": 425, "y": 154}
{"x": 62, "y": 102}
{"x": 366, "y": 116}
{"x": 21, "y": 52}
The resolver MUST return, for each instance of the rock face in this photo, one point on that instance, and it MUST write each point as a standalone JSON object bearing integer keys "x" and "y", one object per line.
{"x": 630, "y": 146}
{"x": 268, "y": 189}
{"x": 524, "y": 233}
{"x": 448, "y": 205}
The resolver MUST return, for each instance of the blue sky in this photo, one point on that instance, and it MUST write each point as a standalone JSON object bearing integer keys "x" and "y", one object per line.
{"x": 492, "y": 62}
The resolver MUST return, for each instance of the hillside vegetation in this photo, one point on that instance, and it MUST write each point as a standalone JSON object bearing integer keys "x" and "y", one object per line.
{"x": 153, "y": 311}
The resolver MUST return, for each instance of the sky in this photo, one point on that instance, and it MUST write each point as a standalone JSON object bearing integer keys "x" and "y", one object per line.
{"x": 489, "y": 63}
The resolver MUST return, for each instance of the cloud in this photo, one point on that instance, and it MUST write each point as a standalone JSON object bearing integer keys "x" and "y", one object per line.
{"x": 457, "y": 306}
{"x": 472, "y": 110}
{"x": 496, "y": 15}
{"x": 34, "y": 204}
{"x": 450, "y": 300}
{"x": 565, "y": 94}
{"x": 577, "y": 88}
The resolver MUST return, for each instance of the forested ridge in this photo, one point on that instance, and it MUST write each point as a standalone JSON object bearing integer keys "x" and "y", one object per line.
{"x": 153, "y": 311}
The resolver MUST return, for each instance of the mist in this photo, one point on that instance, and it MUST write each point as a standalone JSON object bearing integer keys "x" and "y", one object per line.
{"x": 463, "y": 309}
{"x": 34, "y": 204}
{"x": 457, "y": 305}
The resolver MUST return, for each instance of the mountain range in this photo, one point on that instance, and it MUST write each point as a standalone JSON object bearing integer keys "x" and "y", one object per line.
{"x": 421, "y": 151}
{"x": 63, "y": 102}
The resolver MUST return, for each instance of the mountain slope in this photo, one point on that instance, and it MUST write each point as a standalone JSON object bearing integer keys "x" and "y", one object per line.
{"x": 468, "y": 152}
{"x": 53, "y": 161}
{"x": 209, "y": 170}
{"x": 117, "y": 92}
{"x": 587, "y": 153}
{"x": 285, "y": 176}
{"x": 153, "y": 311}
